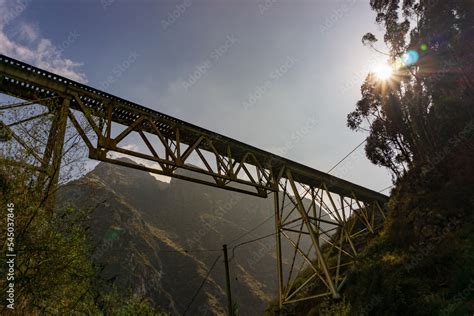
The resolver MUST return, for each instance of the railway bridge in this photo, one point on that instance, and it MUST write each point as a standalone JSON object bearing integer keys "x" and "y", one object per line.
{"x": 323, "y": 218}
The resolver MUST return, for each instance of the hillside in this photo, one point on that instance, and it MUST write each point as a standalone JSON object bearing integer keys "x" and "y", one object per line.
{"x": 140, "y": 227}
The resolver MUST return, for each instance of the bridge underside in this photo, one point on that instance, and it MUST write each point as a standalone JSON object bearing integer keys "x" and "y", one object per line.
{"x": 326, "y": 231}
{"x": 324, "y": 219}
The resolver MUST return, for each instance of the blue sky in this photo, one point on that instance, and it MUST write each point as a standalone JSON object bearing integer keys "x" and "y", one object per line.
{"x": 280, "y": 75}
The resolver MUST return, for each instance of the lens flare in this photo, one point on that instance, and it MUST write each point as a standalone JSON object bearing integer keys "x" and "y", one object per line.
{"x": 424, "y": 47}
{"x": 410, "y": 57}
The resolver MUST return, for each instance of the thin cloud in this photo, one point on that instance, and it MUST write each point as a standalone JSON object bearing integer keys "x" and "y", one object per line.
{"x": 34, "y": 49}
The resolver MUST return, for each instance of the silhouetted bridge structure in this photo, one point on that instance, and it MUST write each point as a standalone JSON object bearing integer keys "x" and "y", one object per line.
{"x": 323, "y": 218}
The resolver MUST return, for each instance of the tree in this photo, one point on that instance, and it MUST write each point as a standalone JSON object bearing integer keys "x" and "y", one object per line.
{"x": 53, "y": 272}
{"x": 427, "y": 105}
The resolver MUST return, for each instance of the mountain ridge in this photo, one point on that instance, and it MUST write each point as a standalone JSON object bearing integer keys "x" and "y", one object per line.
{"x": 155, "y": 222}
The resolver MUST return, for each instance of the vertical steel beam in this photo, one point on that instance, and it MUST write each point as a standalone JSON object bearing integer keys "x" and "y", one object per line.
{"x": 48, "y": 151}
{"x": 53, "y": 155}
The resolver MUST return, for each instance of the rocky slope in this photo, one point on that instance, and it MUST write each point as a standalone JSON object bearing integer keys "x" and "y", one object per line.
{"x": 150, "y": 236}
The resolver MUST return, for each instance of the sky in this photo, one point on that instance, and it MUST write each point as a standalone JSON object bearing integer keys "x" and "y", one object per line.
{"x": 278, "y": 75}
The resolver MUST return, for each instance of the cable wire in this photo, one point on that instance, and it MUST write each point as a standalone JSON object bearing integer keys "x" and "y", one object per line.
{"x": 345, "y": 157}
{"x": 248, "y": 242}
{"x": 201, "y": 285}
{"x": 390, "y": 186}
{"x": 253, "y": 240}
{"x": 256, "y": 239}
{"x": 251, "y": 230}
{"x": 190, "y": 251}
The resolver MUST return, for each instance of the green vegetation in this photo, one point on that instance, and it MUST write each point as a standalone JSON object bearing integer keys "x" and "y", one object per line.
{"x": 422, "y": 264}
{"x": 54, "y": 272}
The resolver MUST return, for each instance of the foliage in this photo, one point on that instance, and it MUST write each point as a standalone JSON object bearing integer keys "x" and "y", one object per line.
{"x": 115, "y": 303}
{"x": 422, "y": 263}
{"x": 427, "y": 105}
{"x": 54, "y": 272}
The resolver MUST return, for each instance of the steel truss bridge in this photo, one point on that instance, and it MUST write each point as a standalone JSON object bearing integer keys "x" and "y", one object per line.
{"x": 324, "y": 220}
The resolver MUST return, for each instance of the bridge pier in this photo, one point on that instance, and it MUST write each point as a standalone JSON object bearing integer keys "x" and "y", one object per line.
{"x": 47, "y": 182}
{"x": 319, "y": 235}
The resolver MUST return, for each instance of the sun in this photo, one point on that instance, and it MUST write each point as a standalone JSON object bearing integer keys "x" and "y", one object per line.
{"x": 382, "y": 71}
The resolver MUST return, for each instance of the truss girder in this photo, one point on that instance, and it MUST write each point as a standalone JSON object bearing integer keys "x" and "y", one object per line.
{"x": 233, "y": 157}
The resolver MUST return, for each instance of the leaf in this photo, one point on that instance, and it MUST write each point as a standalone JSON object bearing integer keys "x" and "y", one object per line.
{"x": 369, "y": 39}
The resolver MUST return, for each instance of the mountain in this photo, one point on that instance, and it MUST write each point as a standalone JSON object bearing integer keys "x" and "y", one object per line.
{"x": 153, "y": 237}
